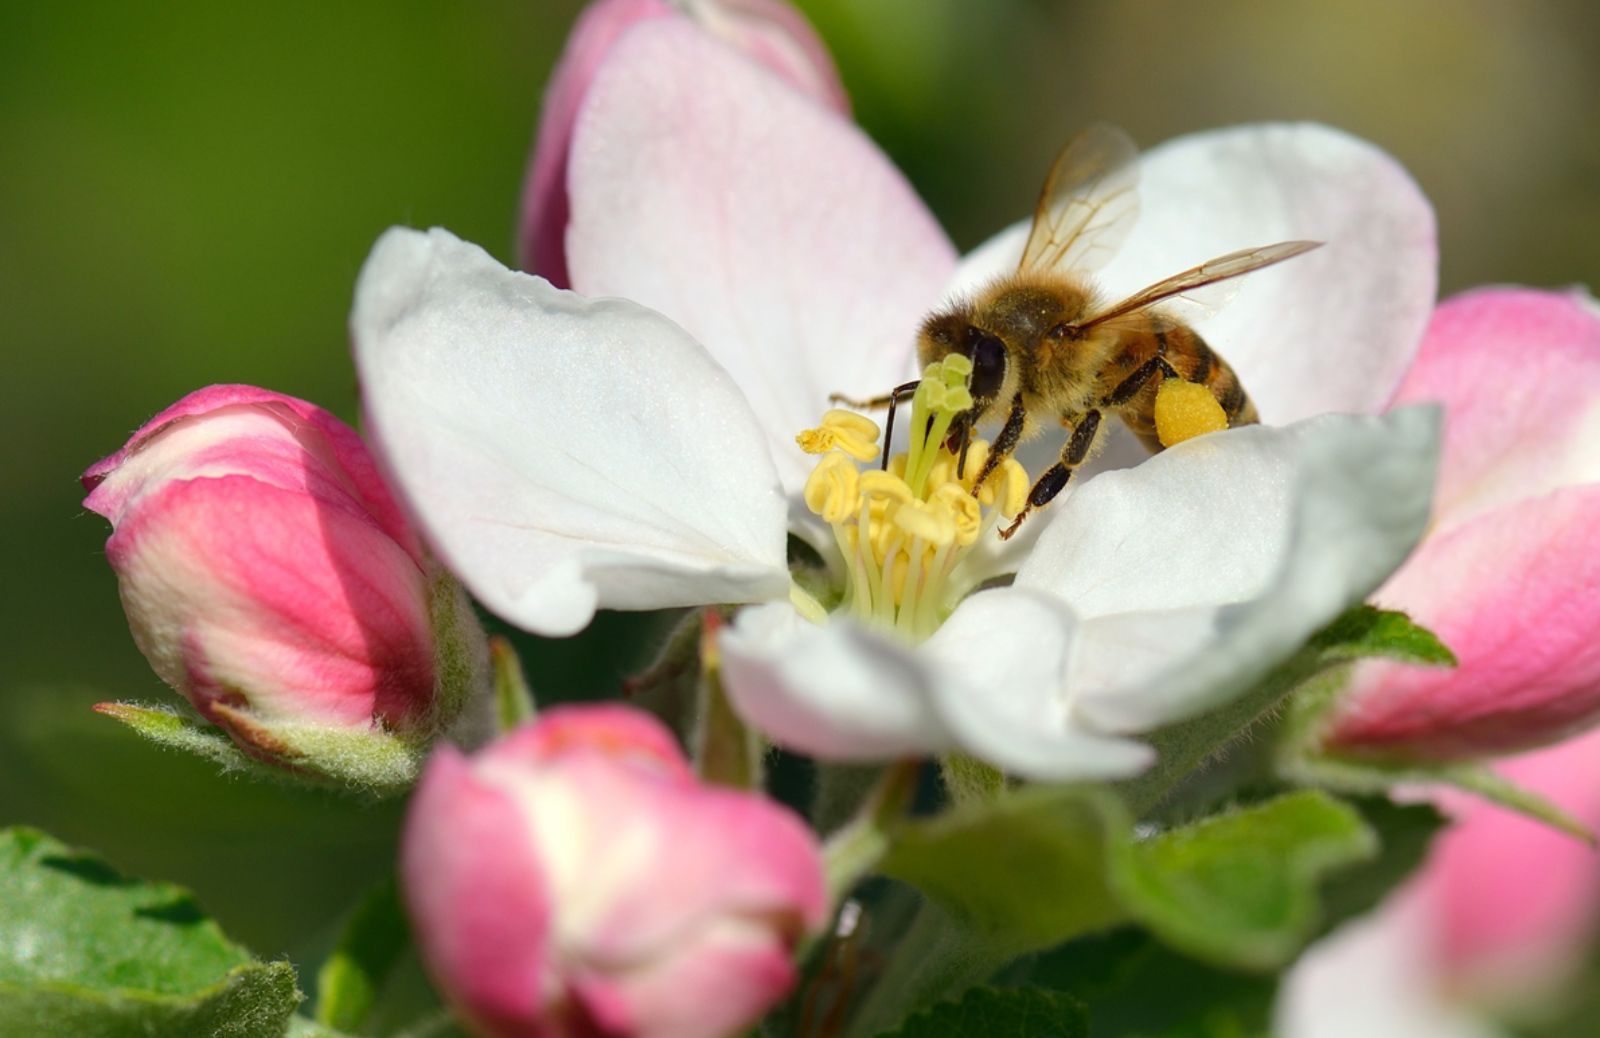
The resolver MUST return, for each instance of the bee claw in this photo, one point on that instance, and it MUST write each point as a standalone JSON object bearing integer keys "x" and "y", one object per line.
{"x": 1005, "y": 535}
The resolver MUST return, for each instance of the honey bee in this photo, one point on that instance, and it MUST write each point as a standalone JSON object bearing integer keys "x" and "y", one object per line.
{"x": 1046, "y": 348}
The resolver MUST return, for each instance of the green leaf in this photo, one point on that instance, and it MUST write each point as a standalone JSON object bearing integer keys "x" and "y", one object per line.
{"x": 87, "y": 952}
{"x": 1026, "y": 870}
{"x": 1114, "y": 975}
{"x": 999, "y": 1013}
{"x": 1239, "y": 888}
{"x": 373, "y": 940}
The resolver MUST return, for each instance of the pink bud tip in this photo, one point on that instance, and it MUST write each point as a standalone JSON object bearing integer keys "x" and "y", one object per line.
{"x": 575, "y": 878}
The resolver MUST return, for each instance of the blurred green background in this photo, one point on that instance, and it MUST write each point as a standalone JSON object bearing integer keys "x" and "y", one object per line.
{"x": 188, "y": 188}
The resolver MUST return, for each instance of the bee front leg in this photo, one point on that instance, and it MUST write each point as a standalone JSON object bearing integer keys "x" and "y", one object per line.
{"x": 890, "y": 400}
{"x": 1005, "y": 443}
{"x": 877, "y": 403}
{"x": 1054, "y": 479}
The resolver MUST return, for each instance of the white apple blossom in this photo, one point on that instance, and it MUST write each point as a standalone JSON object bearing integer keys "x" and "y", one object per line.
{"x": 566, "y": 453}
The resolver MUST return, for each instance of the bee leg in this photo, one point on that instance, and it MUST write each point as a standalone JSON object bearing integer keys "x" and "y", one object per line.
{"x": 877, "y": 403}
{"x": 1054, "y": 479}
{"x": 1129, "y": 387}
{"x": 889, "y": 400}
{"x": 1005, "y": 443}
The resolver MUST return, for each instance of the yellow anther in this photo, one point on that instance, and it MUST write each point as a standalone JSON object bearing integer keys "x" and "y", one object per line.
{"x": 935, "y": 526}
{"x": 856, "y": 435}
{"x": 877, "y": 485}
{"x": 933, "y": 393}
{"x": 1185, "y": 410}
{"x": 977, "y": 454}
{"x": 831, "y": 489}
{"x": 1011, "y": 488}
{"x": 963, "y": 509}
{"x": 957, "y": 398}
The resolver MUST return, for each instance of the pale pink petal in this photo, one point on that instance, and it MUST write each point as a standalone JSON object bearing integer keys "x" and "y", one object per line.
{"x": 710, "y": 983}
{"x": 562, "y": 454}
{"x": 478, "y": 900}
{"x": 622, "y": 733}
{"x": 545, "y": 207}
{"x": 765, "y": 225}
{"x": 237, "y": 588}
{"x": 770, "y": 31}
{"x": 1332, "y": 330}
{"x": 1516, "y": 901}
{"x": 273, "y": 438}
{"x": 1518, "y": 371}
{"x": 1373, "y": 978}
{"x": 1516, "y": 594}
{"x": 709, "y": 852}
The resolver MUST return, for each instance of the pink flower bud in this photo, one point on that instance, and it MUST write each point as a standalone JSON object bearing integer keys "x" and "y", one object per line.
{"x": 269, "y": 576}
{"x": 1516, "y": 902}
{"x": 1508, "y": 575}
{"x": 770, "y": 32}
{"x": 574, "y": 878}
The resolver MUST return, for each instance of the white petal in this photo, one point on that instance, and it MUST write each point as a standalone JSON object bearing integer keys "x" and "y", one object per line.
{"x": 1333, "y": 330}
{"x": 1001, "y": 663}
{"x": 989, "y": 682}
{"x": 1373, "y": 978}
{"x": 766, "y": 225}
{"x": 837, "y": 691}
{"x": 561, "y": 453}
{"x": 1211, "y": 562}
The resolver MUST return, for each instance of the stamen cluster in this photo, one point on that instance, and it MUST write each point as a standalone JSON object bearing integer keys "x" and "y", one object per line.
{"x": 905, "y": 529}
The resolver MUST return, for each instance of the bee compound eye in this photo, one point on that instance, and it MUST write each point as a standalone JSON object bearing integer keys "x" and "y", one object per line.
{"x": 988, "y": 366}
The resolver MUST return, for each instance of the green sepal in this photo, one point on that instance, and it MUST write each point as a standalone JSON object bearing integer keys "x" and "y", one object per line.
{"x": 999, "y": 1013}
{"x": 513, "y": 699}
{"x": 87, "y": 952}
{"x": 1302, "y": 757}
{"x": 370, "y": 762}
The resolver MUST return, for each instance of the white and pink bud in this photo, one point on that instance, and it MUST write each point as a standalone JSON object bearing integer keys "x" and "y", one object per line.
{"x": 770, "y": 32}
{"x": 269, "y": 576}
{"x": 576, "y": 878}
{"x": 1508, "y": 575}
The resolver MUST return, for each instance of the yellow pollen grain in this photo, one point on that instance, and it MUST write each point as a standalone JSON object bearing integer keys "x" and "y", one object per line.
{"x": 1185, "y": 410}
{"x": 831, "y": 489}
{"x": 854, "y": 434}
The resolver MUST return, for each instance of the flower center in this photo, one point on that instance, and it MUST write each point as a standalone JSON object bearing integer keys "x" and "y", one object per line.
{"x": 906, "y": 530}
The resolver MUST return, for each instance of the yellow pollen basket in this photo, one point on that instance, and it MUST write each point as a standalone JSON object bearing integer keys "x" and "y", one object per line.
{"x": 1185, "y": 410}
{"x": 904, "y": 530}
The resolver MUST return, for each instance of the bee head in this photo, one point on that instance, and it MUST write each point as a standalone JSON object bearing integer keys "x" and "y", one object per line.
{"x": 988, "y": 355}
{"x": 954, "y": 332}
